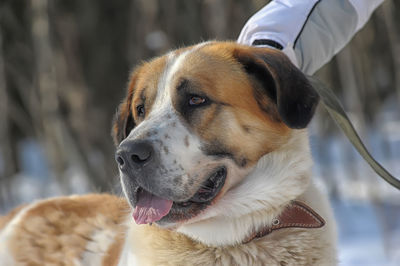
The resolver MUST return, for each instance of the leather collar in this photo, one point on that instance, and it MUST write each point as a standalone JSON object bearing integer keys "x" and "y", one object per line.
{"x": 296, "y": 215}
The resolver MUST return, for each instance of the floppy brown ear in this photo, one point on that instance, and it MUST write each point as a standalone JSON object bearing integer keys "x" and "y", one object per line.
{"x": 284, "y": 83}
{"x": 123, "y": 121}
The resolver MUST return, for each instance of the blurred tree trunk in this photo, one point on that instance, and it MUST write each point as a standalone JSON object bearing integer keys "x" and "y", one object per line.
{"x": 47, "y": 89}
{"x": 62, "y": 148}
{"x": 392, "y": 22}
{"x": 8, "y": 165}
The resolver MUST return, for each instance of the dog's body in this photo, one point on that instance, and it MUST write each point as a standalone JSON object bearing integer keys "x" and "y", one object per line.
{"x": 211, "y": 148}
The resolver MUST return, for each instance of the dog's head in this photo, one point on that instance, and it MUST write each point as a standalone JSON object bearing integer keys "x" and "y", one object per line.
{"x": 195, "y": 124}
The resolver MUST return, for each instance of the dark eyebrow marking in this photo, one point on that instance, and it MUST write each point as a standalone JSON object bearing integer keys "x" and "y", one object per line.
{"x": 188, "y": 87}
{"x": 184, "y": 83}
{"x": 223, "y": 103}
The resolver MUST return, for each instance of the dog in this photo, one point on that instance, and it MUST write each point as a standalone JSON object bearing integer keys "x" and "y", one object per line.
{"x": 215, "y": 165}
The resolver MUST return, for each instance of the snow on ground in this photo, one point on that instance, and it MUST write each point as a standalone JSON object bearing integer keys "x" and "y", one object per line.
{"x": 361, "y": 241}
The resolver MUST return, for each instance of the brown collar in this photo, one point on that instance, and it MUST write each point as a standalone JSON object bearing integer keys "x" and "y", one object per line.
{"x": 296, "y": 215}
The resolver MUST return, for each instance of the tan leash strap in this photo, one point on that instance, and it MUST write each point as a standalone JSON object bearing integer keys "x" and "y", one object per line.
{"x": 335, "y": 109}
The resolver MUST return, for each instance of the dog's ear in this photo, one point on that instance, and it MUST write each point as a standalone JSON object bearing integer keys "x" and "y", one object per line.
{"x": 295, "y": 98}
{"x": 123, "y": 121}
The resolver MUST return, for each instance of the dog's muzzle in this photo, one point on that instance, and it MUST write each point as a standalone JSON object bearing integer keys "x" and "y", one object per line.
{"x": 150, "y": 191}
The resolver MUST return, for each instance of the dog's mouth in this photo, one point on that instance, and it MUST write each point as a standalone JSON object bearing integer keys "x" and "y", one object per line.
{"x": 150, "y": 208}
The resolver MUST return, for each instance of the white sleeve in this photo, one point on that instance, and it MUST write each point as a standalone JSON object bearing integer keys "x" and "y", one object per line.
{"x": 310, "y": 32}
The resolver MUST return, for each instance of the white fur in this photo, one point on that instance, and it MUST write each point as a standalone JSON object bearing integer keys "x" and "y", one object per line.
{"x": 127, "y": 256}
{"x": 97, "y": 247}
{"x": 278, "y": 177}
{"x": 163, "y": 95}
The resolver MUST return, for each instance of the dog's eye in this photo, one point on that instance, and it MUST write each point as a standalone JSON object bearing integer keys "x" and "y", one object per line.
{"x": 140, "y": 110}
{"x": 196, "y": 100}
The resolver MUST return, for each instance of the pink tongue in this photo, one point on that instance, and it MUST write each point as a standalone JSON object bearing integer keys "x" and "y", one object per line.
{"x": 150, "y": 208}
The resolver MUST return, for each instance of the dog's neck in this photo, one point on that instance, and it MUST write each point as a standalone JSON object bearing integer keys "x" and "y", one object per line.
{"x": 278, "y": 178}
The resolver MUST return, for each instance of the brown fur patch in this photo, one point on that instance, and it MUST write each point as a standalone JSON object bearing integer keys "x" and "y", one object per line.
{"x": 114, "y": 252}
{"x": 60, "y": 230}
{"x": 124, "y": 111}
{"x": 147, "y": 85}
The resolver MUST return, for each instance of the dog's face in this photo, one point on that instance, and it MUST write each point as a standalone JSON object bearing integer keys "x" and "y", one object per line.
{"x": 196, "y": 121}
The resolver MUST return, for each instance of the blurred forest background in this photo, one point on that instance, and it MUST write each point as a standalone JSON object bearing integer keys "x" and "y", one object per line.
{"x": 64, "y": 66}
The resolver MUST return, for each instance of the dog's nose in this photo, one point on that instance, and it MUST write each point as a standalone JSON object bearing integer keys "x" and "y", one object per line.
{"x": 134, "y": 154}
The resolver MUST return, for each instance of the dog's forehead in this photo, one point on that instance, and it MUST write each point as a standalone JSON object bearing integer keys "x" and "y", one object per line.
{"x": 210, "y": 64}
{"x": 193, "y": 63}
{"x": 152, "y": 76}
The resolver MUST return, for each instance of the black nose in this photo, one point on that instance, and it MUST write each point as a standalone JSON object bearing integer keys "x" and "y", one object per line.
{"x": 134, "y": 154}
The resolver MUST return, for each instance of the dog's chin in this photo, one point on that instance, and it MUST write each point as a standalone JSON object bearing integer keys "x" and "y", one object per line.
{"x": 181, "y": 212}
